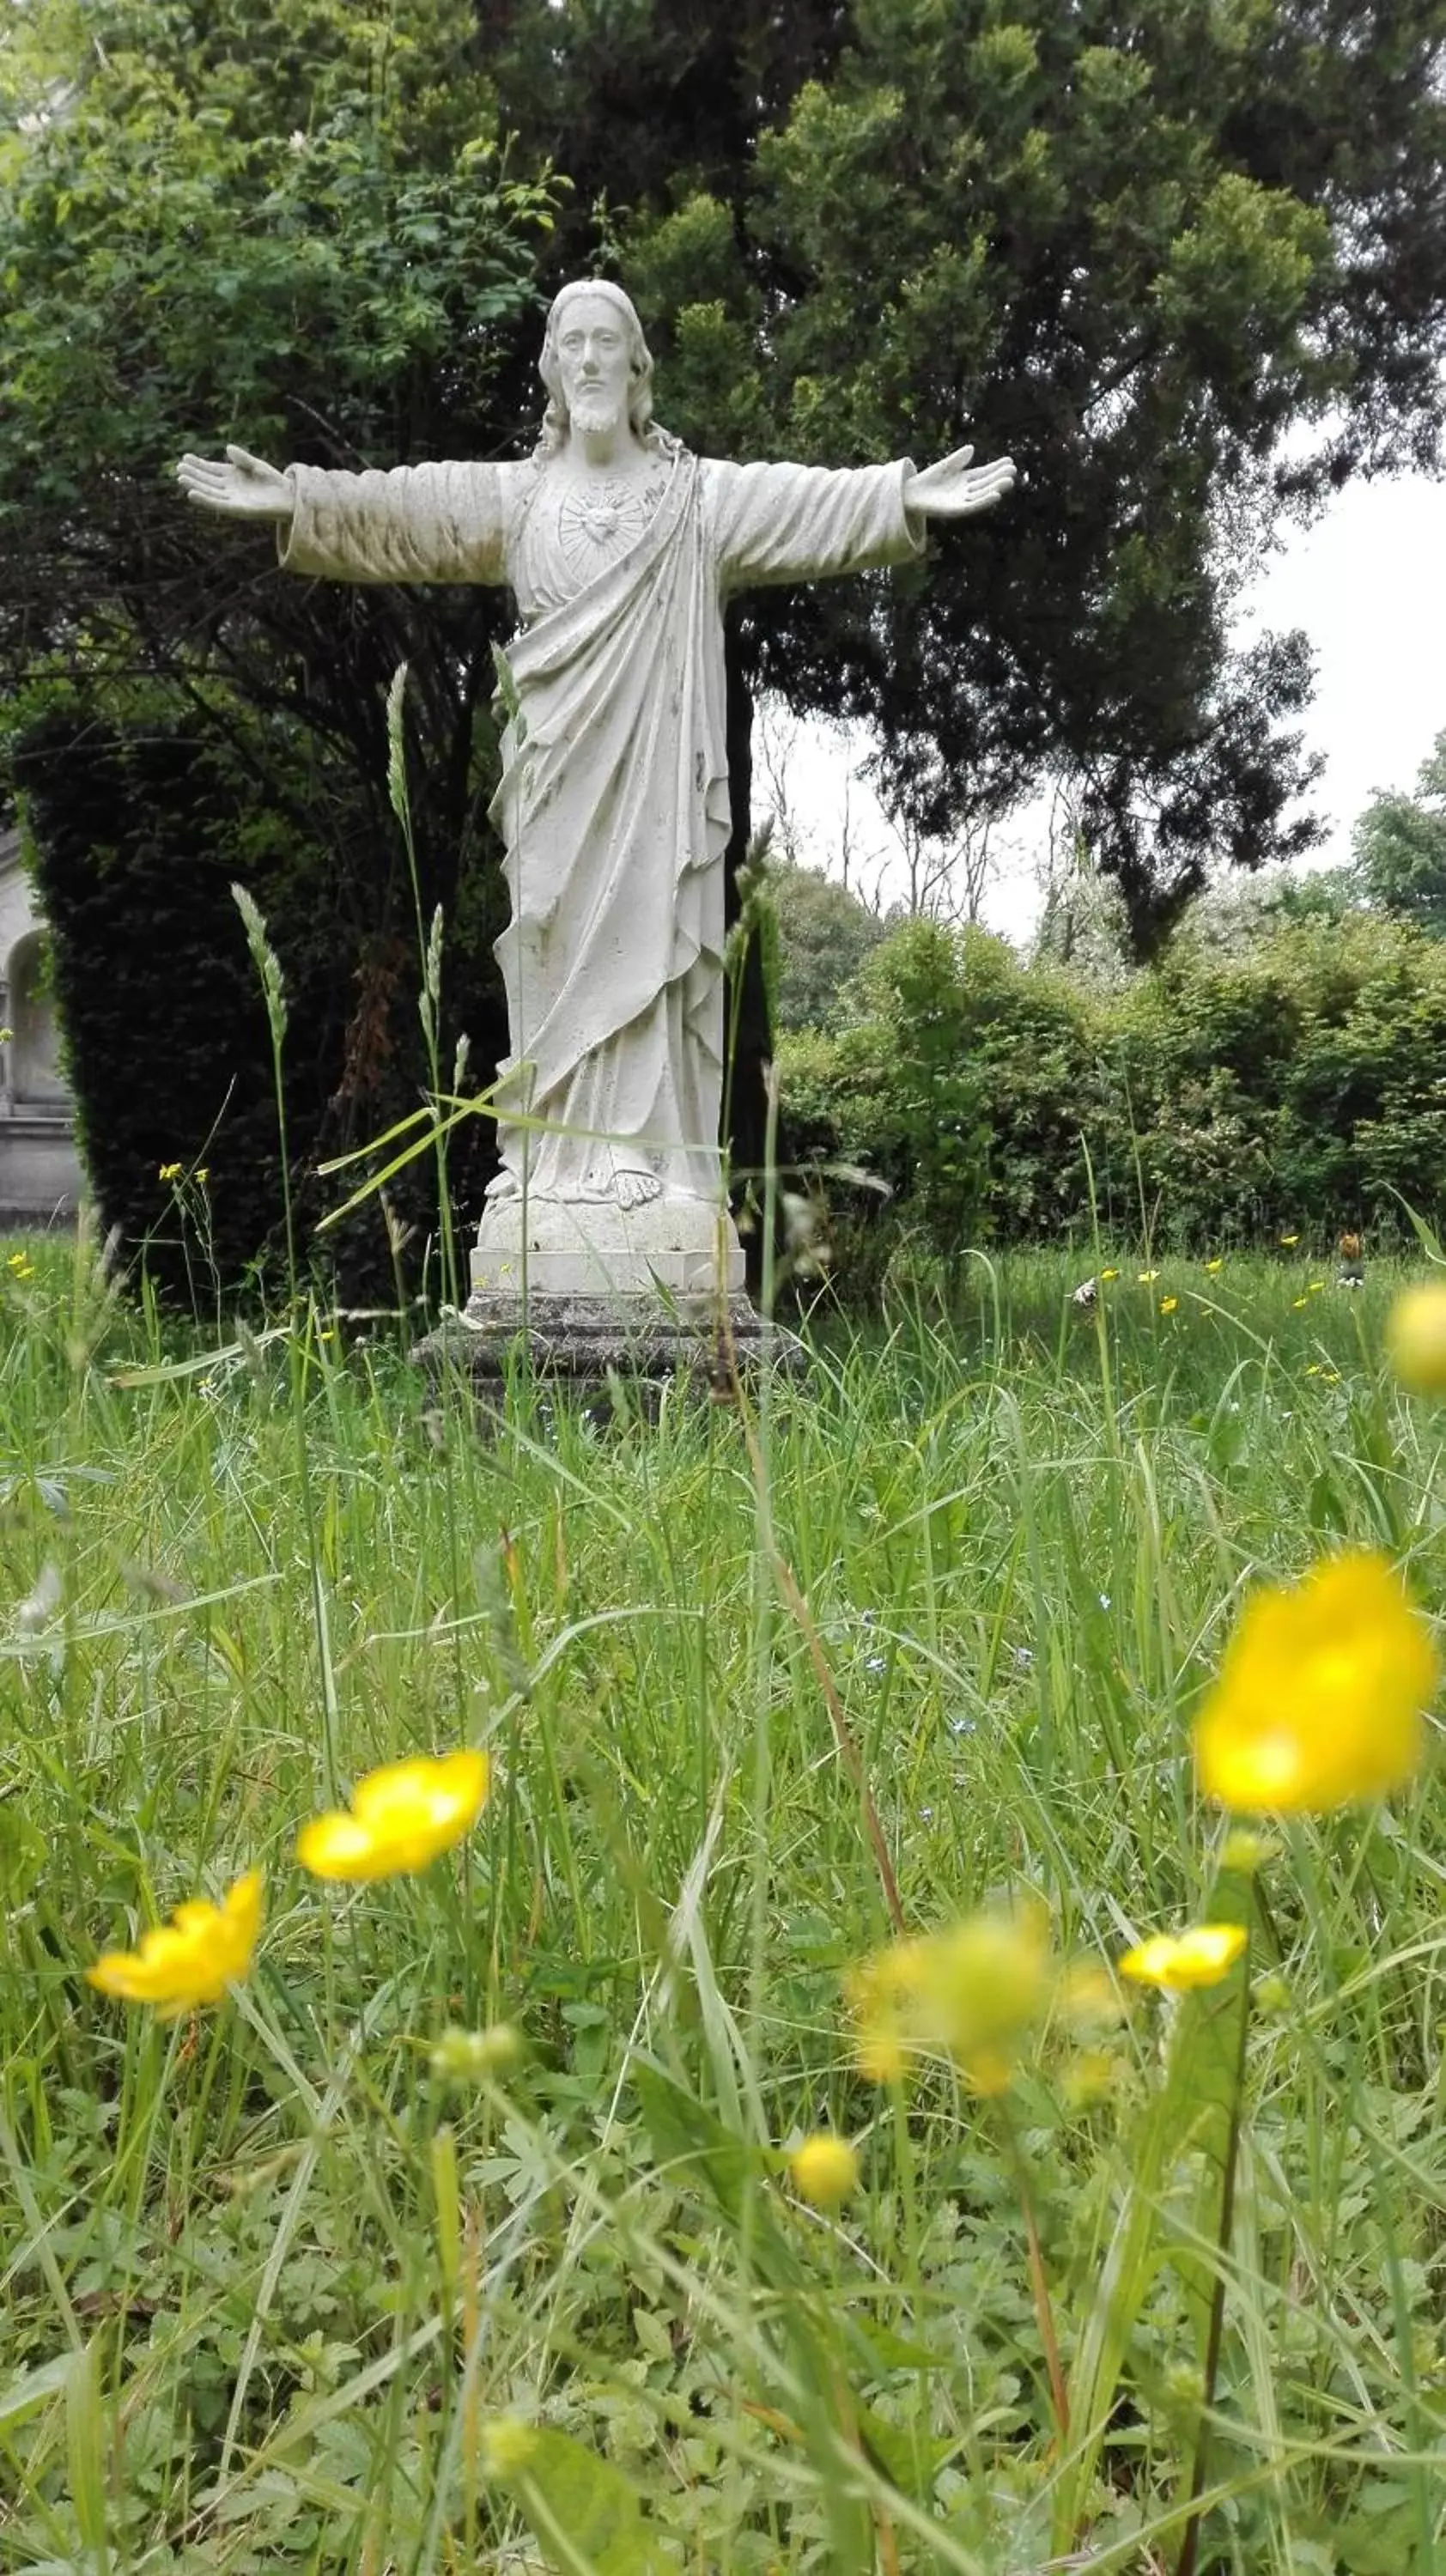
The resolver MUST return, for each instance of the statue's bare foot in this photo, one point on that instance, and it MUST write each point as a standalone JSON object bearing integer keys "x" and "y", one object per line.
{"x": 634, "y": 1189}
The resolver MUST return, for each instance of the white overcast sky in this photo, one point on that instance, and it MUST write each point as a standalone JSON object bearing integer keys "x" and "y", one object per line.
{"x": 1367, "y": 582}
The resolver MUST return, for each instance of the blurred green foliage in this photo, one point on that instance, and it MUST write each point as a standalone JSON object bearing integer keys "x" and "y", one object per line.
{"x": 1220, "y": 1097}
{"x": 1400, "y": 848}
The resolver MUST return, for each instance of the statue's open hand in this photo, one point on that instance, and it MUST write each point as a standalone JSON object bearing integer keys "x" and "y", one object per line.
{"x": 245, "y": 487}
{"x": 952, "y": 490}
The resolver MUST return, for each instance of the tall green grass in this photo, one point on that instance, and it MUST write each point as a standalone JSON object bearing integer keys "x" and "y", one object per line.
{"x": 280, "y": 2294}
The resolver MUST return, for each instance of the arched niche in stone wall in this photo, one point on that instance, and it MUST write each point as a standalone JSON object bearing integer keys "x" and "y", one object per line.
{"x": 35, "y": 1075}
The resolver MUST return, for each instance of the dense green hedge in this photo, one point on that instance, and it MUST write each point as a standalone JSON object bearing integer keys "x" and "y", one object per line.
{"x": 1219, "y": 1098}
{"x": 136, "y": 840}
{"x": 139, "y": 822}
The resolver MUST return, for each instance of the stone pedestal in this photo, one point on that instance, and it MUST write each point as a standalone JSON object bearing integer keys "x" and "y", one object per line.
{"x": 672, "y": 1249}
{"x": 578, "y": 1292}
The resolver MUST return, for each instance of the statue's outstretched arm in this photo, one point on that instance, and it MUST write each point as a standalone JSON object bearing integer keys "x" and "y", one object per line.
{"x": 806, "y": 522}
{"x": 418, "y": 523}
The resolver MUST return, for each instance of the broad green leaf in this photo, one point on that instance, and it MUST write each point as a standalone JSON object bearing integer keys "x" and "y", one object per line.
{"x": 585, "y": 2514}
{"x": 33, "y": 2388}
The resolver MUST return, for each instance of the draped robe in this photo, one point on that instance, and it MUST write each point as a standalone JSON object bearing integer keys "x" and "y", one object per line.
{"x": 613, "y": 806}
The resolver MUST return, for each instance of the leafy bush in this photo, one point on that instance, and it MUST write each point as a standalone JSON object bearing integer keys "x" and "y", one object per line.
{"x": 1219, "y": 1097}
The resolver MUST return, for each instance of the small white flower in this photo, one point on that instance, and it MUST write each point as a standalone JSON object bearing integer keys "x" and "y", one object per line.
{"x": 297, "y": 142}
{"x": 41, "y": 1604}
{"x": 1104, "y": 1601}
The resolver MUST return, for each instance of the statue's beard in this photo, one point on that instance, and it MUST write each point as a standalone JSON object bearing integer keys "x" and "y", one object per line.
{"x": 593, "y": 409}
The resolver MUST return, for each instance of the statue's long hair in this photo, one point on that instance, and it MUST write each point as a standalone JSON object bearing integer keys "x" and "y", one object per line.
{"x": 553, "y": 434}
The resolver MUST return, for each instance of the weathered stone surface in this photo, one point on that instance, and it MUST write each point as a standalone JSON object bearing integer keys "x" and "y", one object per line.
{"x": 40, "y": 1175}
{"x": 580, "y": 1343}
{"x": 673, "y": 1248}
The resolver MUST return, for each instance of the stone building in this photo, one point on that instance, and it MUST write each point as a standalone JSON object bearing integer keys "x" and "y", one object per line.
{"x": 40, "y": 1174}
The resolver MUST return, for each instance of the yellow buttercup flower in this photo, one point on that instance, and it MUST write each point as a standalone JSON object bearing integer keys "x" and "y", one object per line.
{"x": 1320, "y": 1693}
{"x": 1180, "y": 1960}
{"x": 169, "y": 1172}
{"x": 970, "y": 1993}
{"x": 1416, "y": 1338}
{"x": 1144, "y": 1277}
{"x": 192, "y": 1959}
{"x": 1217, "y": 1264}
{"x": 1288, "y": 1242}
{"x": 400, "y": 1818}
{"x": 1109, "y": 1274}
{"x": 824, "y": 2170}
{"x": 1168, "y": 1305}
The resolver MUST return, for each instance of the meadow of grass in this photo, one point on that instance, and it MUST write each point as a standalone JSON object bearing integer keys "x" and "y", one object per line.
{"x": 289, "y": 2285}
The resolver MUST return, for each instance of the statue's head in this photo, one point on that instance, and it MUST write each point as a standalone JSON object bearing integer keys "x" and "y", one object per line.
{"x": 625, "y": 372}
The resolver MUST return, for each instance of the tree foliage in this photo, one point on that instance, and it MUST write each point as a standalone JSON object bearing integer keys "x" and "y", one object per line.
{"x": 291, "y": 223}
{"x": 824, "y": 935}
{"x": 1399, "y": 846}
{"x": 1133, "y": 245}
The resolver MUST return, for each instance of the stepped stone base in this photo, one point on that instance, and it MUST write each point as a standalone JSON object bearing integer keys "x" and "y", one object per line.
{"x": 581, "y": 1292}
{"x": 580, "y": 1343}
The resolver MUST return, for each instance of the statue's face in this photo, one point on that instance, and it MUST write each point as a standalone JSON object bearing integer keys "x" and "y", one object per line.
{"x": 595, "y": 362}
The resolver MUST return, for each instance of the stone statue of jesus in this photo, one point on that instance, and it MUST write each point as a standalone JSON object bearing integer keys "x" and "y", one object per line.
{"x": 620, "y": 549}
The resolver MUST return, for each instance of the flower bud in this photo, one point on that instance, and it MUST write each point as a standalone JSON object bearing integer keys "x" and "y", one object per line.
{"x": 825, "y": 2170}
{"x": 508, "y": 2445}
{"x": 470, "y": 2056}
{"x": 1416, "y": 1338}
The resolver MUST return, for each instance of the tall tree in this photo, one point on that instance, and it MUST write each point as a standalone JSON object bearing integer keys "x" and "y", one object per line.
{"x": 824, "y": 935}
{"x": 294, "y": 224}
{"x": 1399, "y": 846}
{"x": 1135, "y": 242}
